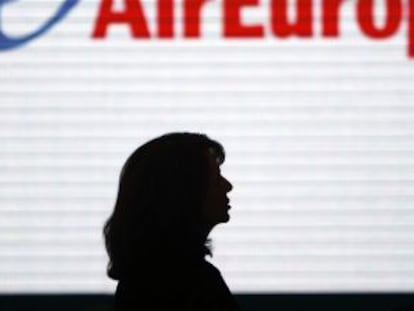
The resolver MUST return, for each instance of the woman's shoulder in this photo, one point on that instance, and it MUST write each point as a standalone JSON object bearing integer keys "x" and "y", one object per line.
{"x": 200, "y": 286}
{"x": 217, "y": 289}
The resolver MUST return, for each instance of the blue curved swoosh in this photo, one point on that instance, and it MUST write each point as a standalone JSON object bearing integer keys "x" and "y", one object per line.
{"x": 7, "y": 42}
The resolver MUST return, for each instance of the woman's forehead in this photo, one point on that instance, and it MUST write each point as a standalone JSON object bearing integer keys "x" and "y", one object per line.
{"x": 214, "y": 156}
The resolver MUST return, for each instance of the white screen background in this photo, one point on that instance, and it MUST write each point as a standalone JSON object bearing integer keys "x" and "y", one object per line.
{"x": 318, "y": 135}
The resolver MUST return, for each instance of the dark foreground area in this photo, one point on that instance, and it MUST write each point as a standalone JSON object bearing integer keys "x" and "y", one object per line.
{"x": 248, "y": 302}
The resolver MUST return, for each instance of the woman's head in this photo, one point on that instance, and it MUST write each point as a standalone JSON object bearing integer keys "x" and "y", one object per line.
{"x": 170, "y": 194}
{"x": 216, "y": 203}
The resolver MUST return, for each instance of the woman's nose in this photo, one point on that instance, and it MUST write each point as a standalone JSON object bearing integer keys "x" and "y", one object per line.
{"x": 229, "y": 186}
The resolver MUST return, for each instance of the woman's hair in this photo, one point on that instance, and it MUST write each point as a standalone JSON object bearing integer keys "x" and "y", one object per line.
{"x": 157, "y": 213}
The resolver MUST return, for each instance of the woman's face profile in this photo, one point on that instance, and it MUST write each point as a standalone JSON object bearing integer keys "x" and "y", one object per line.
{"x": 216, "y": 205}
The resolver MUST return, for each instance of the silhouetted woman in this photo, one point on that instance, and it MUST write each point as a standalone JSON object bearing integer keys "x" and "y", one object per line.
{"x": 171, "y": 195}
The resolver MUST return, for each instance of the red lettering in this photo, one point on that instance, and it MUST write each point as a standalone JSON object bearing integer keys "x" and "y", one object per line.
{"x": 282, "y": 24}
{"x": 330, "y": 17}
{"x": 302, "y": 27}
{"x": 233, "y": 27}
{"x": 411, "y": 29}
{"x": 165, "y": 18}
{"x": 365, "y": 12}
{"x": 133, "y": 16}
{"x": 192, "y": 13}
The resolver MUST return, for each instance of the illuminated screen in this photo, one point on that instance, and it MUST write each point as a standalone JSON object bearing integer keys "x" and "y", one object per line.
{"x": 318, "y": 134}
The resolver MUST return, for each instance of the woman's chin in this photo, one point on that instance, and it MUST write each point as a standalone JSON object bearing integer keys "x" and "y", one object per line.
{"x": 226, "y": 217}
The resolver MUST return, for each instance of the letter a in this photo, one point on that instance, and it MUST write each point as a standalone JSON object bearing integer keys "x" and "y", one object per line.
{"x": 133, "y": 16}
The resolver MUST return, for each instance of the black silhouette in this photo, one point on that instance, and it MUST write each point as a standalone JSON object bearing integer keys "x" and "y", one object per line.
{"x": 171, "y": 195}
